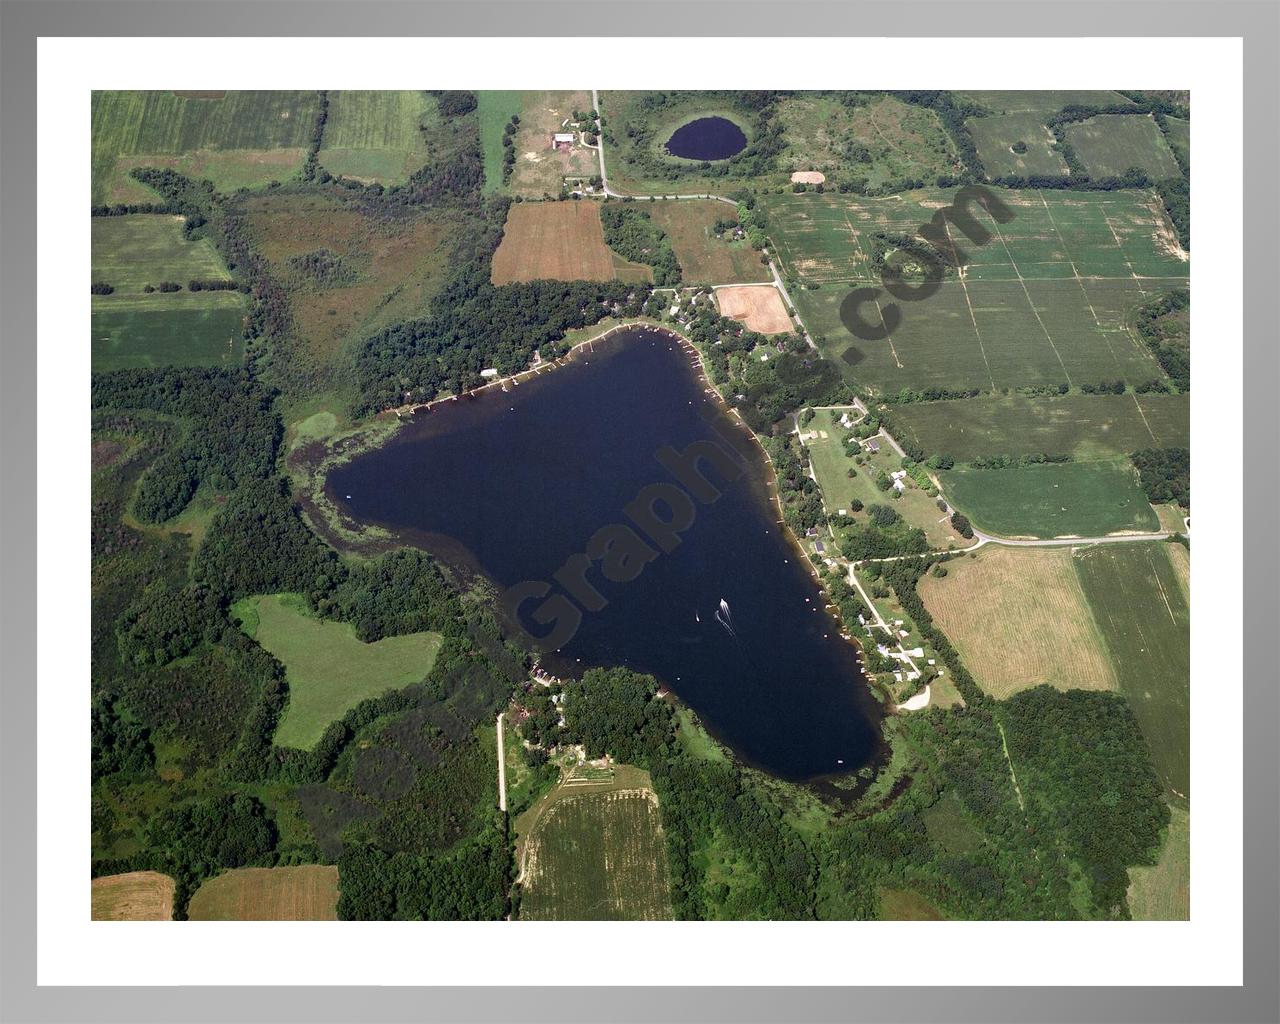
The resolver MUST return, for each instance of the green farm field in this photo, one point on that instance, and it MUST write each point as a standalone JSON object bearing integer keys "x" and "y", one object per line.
{"x": 377, "y": 135}
{"x": 235, "y": 139}
{"x": 329, "y": 670}
{"x": 133, "y": 328}
{"x": 704, "y": 258}
{"x": 1112, "y": 143}
{"x": 595, "y": 852}
{"x": 1179, "y": 137}
{"x": 1046, "y": 301}
{"x": 1083, "y": 426}
{"x": 832, "y": 465}
{"x": 495, "y": 109}
{"x": 1072, "y": 499}
{"x": 994, "y": 137}
{"x": 1163, "y": 892}
{"x": 1139, "y": 597}
{"x": 1041, "y": 101}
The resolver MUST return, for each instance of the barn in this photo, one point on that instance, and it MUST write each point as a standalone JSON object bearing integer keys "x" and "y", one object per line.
{"x": 562, "y": 140}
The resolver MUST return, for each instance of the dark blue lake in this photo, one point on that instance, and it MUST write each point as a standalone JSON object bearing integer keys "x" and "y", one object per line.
{"x": 511, "y": 485}
{"x": 707, "y": 138}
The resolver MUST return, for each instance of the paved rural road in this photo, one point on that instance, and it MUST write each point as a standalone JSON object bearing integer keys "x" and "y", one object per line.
{"x": 502, "y": 771}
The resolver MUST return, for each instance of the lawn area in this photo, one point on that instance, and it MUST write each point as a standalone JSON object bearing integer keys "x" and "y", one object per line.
{"x": 1112, "y": 143}
{"x": 133, "y": 896}
{"x": 1083, "y": 426}
{"x": 235, "y": 139}
{"x": 1046, "y": 302}
{"x": 1019, "y": 617}
{"x": 540, "y": 170}
{"x": 329, "y": 670}
{"x": 307, "y": 892}
{"x": 996, "y": 135}
{"x": 704, "y": 258}
{"x": 831, "y": 466}
{"x": 560, "y": 241}
{"x": 1139, "y": 596}
{"x": 495, "y": 109}
{"x": 1163, "y": 892}
{"x": 594, "y": 851}
{"x": 135, "y": 328}
{"x": 377, "y": 135}
{"x": 1071, "y": 499}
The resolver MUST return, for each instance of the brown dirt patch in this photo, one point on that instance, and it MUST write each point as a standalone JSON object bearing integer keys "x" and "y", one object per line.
{"x": 556, "y": 241}
{"x": 759, "y": 307}
{"x": 105, "y": 452}
{"x": 305, "y": 893}
{"x": 1019, "y": 618}
{"x": 808, "y": 177}
{"x": 133, "y": 896}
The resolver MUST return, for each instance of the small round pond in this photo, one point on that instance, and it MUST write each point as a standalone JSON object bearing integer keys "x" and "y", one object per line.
{"x": 707, "y": 138}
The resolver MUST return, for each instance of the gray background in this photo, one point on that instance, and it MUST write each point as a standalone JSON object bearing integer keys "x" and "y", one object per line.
{"x": 21, "y": 23}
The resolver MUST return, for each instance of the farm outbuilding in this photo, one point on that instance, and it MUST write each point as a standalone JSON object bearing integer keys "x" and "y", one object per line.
{"x": 562, "y": 140}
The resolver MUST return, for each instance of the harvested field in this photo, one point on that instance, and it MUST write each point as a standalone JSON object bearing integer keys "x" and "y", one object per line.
{"x": 133, "y": 896}
{"x": 1019, "y": 617}
{"x": 704, "y": 258}
{"x": 558, "y": 242}
{"x": 760, "y": 307}
{"x": 593, "y": 849}
{"x": 808, "y": 177}
{"x": 304, "y": 893}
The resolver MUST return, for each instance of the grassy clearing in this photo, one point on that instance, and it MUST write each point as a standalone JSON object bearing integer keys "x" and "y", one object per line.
{"x": 1163, "y": 892}
{"x": 132, "y": 327}
{"x": 1043, "y": 101}
{"x": 329, "y": 670}
{"x": 540, "y": 171}
{"x": 1083, "y": 426}
{"x": 1139, "y": 599}
{"x": 1046, "y": 301}
{"x": 237, "y": 140}
{"x": 905, "y": 905}
{"x": 949, "y": 826}
{"x": 561, "y": 242}
{"x": 303, "y": 893}
{"x": 593, "y": 850}
{"x": 996, "y": 135}
{"x": 831, "y": 466}
{"x": 495, "y": 109}
{"x": 397, "y": 267}
{"x": 882, "y": 140}
{"x": 1019, "y": 617}
{"x": 1179, "y": 137}
{"x": 1112, "y": 143}
{"x": 377, "y": 135}
{"x": 133, "y": 896}
{"x": 1072, "y": 499}
{"x": 704, "y": 258}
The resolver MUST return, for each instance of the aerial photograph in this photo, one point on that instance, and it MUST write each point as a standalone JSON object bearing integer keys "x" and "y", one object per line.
{"x": 640, "y": 505}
